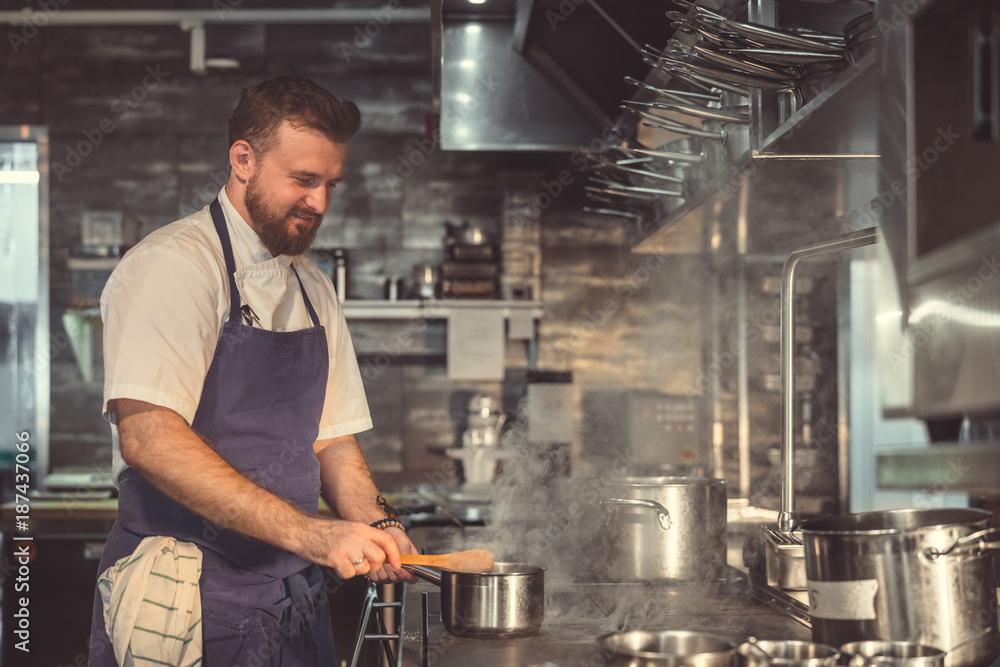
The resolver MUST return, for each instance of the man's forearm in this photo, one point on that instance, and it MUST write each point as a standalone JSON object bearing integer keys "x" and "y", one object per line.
{"x": 347, "y": 484}
{"x": 160, "y": 445}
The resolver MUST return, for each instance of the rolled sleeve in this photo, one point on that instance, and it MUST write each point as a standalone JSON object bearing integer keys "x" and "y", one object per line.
{"x": 161, "y": 324}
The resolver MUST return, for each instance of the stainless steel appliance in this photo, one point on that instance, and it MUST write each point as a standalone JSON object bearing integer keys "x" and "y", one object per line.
{"x": 939, "y": 207}
{"x": 658, "y": 433}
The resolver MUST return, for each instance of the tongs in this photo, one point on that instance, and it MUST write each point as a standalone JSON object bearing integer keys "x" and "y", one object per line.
{"x": 725, "y": 115}
{"x": 660, "y": 123}
{"x": 607, "y": 164}
{"x": 727, "y": 60}
{"x": 670, "y": 156}
{"x": 676, "y": 68}
{"x": 616, "y": 186}
{"x": 786, "y": 56}
{"x": 619, "y": 193}
{"x": 681, "y": 96}
{"x": 613, "y": 211}
{"x": 775, "y": 36}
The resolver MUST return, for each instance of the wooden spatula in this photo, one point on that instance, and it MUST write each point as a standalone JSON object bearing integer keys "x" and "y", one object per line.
{"x": 477, "y": 561}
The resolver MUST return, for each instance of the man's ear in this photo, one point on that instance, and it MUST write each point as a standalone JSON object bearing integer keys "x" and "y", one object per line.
{"x": 241, "y": 159}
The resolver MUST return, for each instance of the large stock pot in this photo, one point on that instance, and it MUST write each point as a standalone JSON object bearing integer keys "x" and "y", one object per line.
{"x": 666, "y": 529}
{"x": 923, "y": 576}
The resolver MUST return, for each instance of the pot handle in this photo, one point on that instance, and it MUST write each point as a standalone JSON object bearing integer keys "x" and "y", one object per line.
{"x": 662, "y": 513}
{"x": 973, "y": 542}
{"x": 425, "y": 573}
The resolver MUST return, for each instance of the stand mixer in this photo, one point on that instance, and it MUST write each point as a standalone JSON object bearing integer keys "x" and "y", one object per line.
{"x": 480, "y": 449}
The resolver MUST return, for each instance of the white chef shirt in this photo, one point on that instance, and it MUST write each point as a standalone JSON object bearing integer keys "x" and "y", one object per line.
{"x": 164, "y": 306}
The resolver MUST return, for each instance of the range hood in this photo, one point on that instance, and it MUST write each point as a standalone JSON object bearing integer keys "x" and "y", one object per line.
{"x": 543, "y": 75}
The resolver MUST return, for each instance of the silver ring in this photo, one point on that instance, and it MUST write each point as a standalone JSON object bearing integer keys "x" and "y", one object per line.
{"x": 359, "y": 561}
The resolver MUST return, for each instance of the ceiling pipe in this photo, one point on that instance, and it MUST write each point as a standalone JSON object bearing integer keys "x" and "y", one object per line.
{"x": 224, "y": 13}
{"x": 194, "y": 20}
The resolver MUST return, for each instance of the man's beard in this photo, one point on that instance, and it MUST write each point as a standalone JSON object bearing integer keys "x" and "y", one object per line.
{"x": 272, "y": 226}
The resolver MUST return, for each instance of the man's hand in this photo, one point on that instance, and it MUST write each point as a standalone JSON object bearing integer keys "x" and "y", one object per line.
{"x": 340, "y": 544}
{"x": 390, "y": 572}
{"x": 348, "y": 488}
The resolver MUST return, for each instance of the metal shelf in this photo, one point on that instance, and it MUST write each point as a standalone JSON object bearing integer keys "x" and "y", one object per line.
{"x": 833, "y": 133}
{"x": 431, "y": 309}
{"x": 838, "y": 123}
{"x": 971, "y": 467}
{"x": 92, "y": 263}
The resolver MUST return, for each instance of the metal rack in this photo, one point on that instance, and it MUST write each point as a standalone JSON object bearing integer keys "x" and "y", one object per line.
{"x": 393, "y": 656}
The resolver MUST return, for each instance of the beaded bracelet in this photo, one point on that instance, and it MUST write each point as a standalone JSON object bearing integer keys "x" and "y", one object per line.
{"x": 389, "y": 509}
{"x": 382, "y": 524}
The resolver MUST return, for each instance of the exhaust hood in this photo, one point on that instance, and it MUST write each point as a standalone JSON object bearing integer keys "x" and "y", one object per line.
{"x": 542, "y": 75}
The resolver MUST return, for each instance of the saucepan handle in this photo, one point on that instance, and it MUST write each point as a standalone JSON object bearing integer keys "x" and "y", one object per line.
{"x": 977, "y": 543}
{"x": 662, "y": 513}
{"x": 425, "y": 573}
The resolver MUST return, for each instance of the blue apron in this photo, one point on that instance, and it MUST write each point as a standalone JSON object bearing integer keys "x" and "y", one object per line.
{"x": 260, "y": 410}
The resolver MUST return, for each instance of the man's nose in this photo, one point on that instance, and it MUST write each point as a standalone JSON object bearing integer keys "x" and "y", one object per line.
{"x": 317, "y": 200}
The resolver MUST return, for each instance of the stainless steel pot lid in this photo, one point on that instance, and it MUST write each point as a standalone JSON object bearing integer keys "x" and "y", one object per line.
{"x": 659, "y": 644}
{"x": 893, "y": 521}
{"x": 668, "y": 480}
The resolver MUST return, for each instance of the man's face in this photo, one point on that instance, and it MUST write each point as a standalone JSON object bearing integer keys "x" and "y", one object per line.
{"x": 290, "y": 188}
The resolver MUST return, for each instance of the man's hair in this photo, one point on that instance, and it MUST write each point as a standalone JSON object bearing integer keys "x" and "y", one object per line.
{"x": 263, "y": 107}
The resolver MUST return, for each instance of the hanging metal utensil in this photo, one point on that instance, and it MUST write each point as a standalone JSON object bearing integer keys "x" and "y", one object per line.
{"x": 641, "y": 172}
{"x": 774, "y": 36}
{"x": 699, "y": 10}
{"x": 733, "y": 62}
{"x": 620, "y": 193}
{"x": 676, "y": 95}
{"x": 615, "y": 186}
{"x": 721, "y": 115}
{"x": 682, "y": 158}
{"x": 738, "y": 78}
{"x": 787, "y": 56}
{"x": 633, "y": 160}
{"x": 611, "y": 211}
{"x": 704, "y": 82}
{"x": 660, "y": 123}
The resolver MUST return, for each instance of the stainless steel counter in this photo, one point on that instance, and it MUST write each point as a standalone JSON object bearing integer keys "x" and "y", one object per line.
{"x": 576, "y": 614}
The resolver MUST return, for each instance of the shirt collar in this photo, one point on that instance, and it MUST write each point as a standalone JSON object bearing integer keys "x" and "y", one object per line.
{"x": 243, "y": 234}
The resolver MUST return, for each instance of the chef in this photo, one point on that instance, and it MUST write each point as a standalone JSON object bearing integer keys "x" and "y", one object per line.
{"x": 234, "y": 395}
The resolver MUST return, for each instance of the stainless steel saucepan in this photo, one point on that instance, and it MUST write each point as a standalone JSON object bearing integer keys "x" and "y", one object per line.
{"x": 507, "y": 602}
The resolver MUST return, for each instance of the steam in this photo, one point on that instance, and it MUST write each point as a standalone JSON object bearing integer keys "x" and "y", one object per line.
{"x": 545, "y": 519}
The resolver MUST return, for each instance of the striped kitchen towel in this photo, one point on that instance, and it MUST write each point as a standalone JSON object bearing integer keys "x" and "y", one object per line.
{"x": 152, "y": 604}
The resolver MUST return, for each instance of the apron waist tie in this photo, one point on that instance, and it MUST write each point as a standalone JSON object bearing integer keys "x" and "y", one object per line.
{"x": 299, "y": 618}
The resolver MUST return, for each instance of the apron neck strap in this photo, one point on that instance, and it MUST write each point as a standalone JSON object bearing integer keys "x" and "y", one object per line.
{"x": 227, "y": 251}
{"x": 305, "y": 297}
